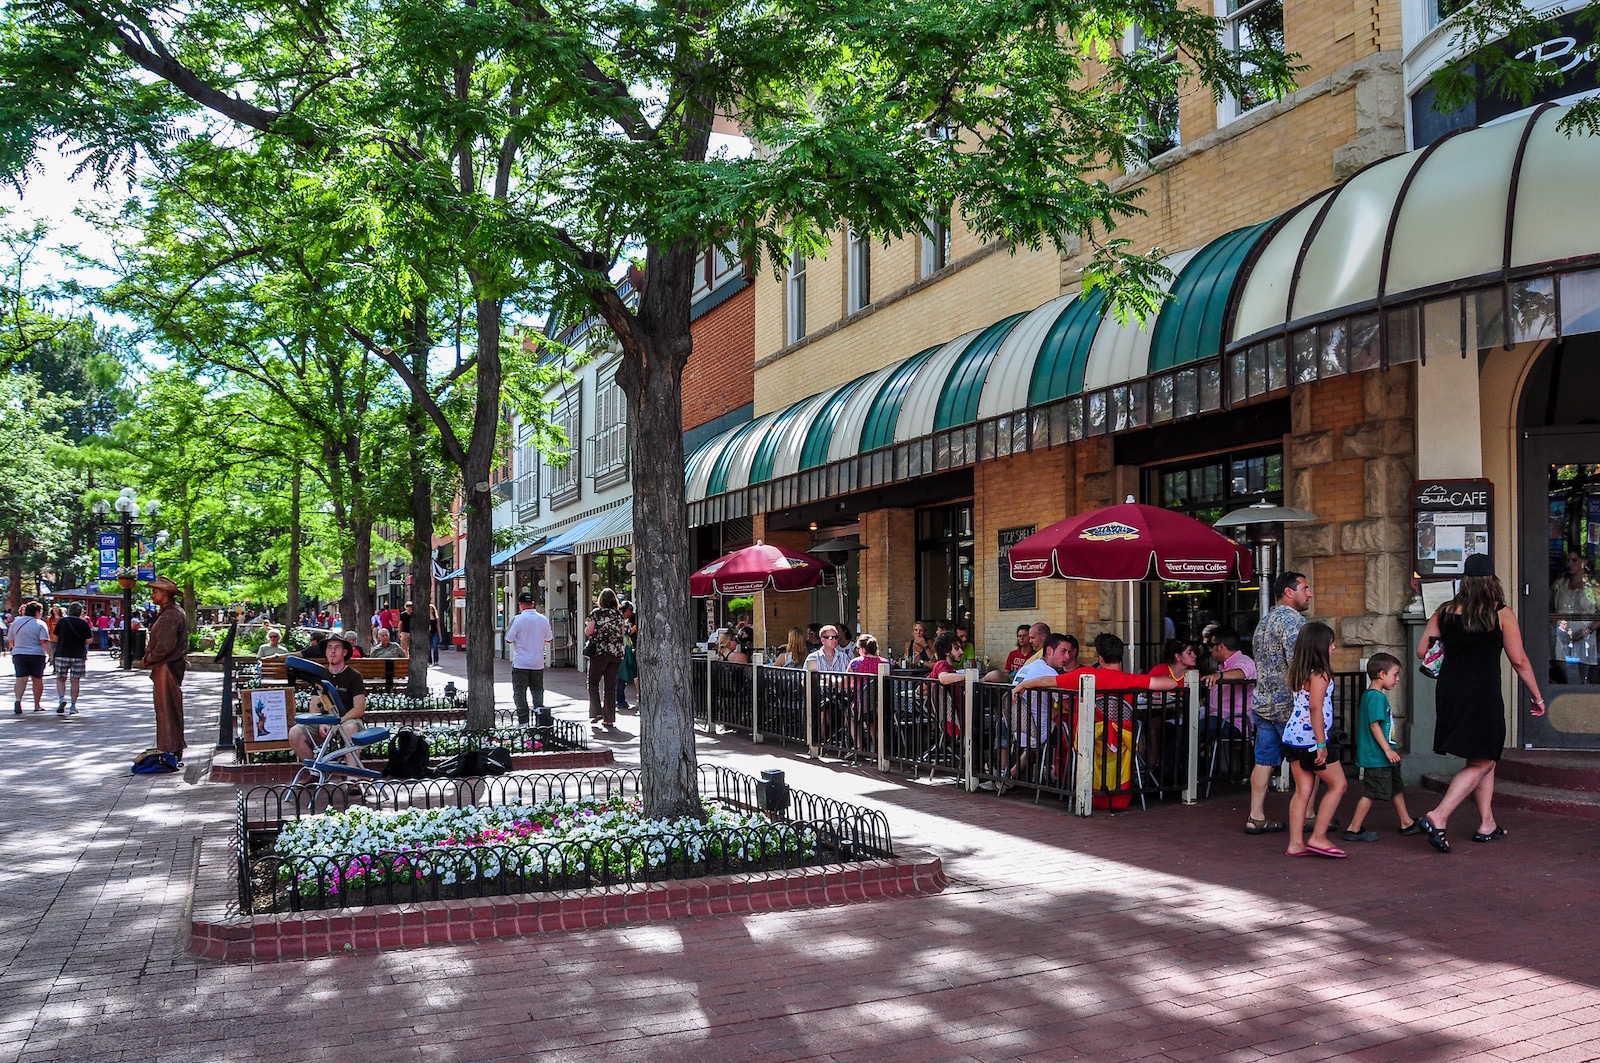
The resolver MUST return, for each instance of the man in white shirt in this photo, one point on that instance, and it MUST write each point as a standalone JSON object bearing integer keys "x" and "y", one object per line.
{"x": 831, "y": 657}
{"x": 1030, "y": 721}
{"x": 529, "y": 636}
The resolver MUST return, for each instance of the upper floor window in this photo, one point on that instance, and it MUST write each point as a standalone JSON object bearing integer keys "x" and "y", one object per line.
{"x": 860, "y": 268}
{"x": 713, "y": 269}
{"x": 566, "y": 480}
{"x": 525, "y": 460}
{"x": 936, "y": 244}
{"x": 797, "y": 296}
{"x": 1250, "y": 24}
{"x": 609, "y": 444}
{"x": 1161, "y": 122}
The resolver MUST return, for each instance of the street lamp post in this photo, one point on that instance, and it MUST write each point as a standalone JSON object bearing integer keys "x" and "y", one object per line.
{"x": 127, "y": 505}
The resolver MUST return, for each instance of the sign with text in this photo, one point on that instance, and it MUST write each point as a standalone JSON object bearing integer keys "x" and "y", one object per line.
{"x": 110, "y": 543}
{"x": 1013, "y": 593}
{"x": 1450, "y": 521}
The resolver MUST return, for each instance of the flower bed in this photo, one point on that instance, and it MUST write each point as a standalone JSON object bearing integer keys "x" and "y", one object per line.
{"x": 554, "y": 833}
{"x": 587, "y": 841}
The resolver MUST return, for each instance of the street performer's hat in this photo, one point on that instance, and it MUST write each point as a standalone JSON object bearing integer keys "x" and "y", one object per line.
{"x": 164, "y": 583}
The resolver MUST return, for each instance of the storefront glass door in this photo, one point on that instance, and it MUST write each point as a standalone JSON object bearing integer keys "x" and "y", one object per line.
{"x": 944, "y": 563}
{"x": 1561, "y": 616}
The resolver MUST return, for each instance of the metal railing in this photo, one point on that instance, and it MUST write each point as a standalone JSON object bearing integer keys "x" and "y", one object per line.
{"x": 799, "y": 830}
{"x": 1140, "y": 746}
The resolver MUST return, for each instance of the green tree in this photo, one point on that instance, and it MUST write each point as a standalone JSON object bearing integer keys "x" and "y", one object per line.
{"x": 526, "y": 145}
{"x": 40, "y": 496}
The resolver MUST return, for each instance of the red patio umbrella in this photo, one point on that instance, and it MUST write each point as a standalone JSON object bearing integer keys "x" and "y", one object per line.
{"x": 1130, "y": 542}
{"x": 754, "y": 569}
{"x": 1127, "y": 542}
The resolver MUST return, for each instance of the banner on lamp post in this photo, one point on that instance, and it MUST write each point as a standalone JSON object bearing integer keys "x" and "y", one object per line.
{"x": 147, "y": 558}
{"x": 110, "y": 544}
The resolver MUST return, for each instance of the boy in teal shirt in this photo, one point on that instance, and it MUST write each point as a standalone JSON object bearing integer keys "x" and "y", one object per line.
{"x": 1377, "y": 759}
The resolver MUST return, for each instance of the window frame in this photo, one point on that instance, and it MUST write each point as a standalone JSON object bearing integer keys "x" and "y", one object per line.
{"x": 1231, "y": 108}
{"x": 936, "y": 247}
{"x": 795, "y": 285}
{"x": 566, "y": 481}
{"x": 858, "y": 285}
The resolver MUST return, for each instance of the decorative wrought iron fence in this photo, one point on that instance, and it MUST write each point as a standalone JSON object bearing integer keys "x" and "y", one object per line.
{"x": 782, "y": 704}
{"x": 797, "y": 829}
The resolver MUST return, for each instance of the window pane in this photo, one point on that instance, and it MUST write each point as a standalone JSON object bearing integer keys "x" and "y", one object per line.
{"x": 1533, "y": 309}
{"x": 1185, "y": 394}
{"x": 1238, "y": 388}
{"x": 1441, "y": 328}
{"x": 1365, "y": 352}
{"x": 1161, "y": 399}
{"x": 1210, "y": 387}
{"x": 1258, "y": 369}
{"x": 1277, "y": 366}
{"x": 1259, "y": 27}
{"x": 1580, "y": 303}
{"x": 1490, "y": 318}
{"x": 1335, "y": 358}
{"x": 1305, "y": 356}
{"x": 1402, "y": 335}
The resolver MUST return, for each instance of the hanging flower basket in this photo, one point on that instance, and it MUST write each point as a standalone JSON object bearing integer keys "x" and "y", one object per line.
{"x": 127, "y": 577}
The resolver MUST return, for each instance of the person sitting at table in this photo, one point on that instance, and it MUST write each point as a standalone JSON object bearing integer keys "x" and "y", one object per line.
{"x": 1109, "y": 676}
{"x": 866, "y": 663}
{"x": 948, "y": 672}
{"x": 728, "y": 648}
{"x": 1227, "y": 707}
{"x": 919, "y": 651}
{"x": 969, "y": 652}
{"x": 813, "y": 637}
{"x": 274, "y": 646}
{"x": 384, "y": 645}
{"x": 1015, "y": 659}
{"x": 1181, "y": 658}
{"x": 794, "y": 654}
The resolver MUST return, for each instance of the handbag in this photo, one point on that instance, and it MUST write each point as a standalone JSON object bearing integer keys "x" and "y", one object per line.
{"x": 1432, "y": 660}
{"x": 591, "y": 647}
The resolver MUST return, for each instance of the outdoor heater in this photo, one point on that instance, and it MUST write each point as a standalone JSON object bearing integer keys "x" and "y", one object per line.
{"x": 1261, "y": 520}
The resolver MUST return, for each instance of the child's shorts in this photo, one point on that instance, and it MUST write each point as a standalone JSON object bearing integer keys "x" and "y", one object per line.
{"x": 1382, "y": 784}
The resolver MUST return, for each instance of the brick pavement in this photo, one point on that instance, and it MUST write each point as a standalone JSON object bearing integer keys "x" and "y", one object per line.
{"x": 1159, "y": 935}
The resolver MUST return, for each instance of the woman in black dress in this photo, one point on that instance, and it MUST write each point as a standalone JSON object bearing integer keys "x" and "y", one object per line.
{"x": 1473, "y": 628}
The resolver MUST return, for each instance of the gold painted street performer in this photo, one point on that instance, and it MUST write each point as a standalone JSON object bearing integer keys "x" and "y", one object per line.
{"x": 166, "y": 655}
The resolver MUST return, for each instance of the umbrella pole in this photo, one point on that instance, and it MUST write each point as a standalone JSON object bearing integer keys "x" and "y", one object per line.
{"x": 763, "y": 635}
{"x": 1135, "y": 665}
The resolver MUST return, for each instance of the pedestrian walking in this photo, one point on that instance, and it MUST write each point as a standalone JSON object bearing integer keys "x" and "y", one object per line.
{"x": 1376, "y": 756}
{"x": 166, "y": 655}
{"x": 605, "y": 633}
{"x": 629, "y": 669}
{"x": 1305, "y": 743}
{"x": 1273, "y": 698}
{"x": 1474, "y": 628}
{"x": 72, "y": 649}
{"x": 29, "y": 641}
{"x": 529, "y": 637}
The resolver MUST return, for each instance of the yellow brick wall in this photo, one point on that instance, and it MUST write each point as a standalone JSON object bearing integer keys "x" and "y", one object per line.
{"x": 969, "y": 298}
{"x": 889, "y": 577}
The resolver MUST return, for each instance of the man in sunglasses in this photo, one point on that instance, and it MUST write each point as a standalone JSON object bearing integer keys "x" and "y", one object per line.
{"x": 831, "y": 657}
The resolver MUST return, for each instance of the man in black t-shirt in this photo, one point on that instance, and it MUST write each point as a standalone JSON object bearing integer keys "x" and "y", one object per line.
{"x": 352, "y": 691}
{"x": 72, "y": 649}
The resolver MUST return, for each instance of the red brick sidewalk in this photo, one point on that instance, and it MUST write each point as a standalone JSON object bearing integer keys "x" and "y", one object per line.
{"x": 1159, "y": 935}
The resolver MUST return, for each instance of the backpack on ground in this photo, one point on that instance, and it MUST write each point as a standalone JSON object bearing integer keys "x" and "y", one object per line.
{"x": 155, "y": 762}
{"x": 408, "y": 758}
{"x": 476, "y": 763}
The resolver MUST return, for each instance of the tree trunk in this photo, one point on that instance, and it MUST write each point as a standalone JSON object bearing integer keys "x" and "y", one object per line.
{"x": 652, "y": 378}
{"x": 292, "y": 591}
{"x": 480, "y": 520}
{"x": 421, "y": 511}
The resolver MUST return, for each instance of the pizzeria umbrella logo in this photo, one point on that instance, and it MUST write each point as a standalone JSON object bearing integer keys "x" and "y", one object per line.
{"x": 1112, "y": 530}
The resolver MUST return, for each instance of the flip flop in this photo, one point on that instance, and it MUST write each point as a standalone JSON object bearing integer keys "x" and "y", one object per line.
{"x": 1436, "y": 836}
{"x": 1302, "y": 852}
{"x": 1330, "y": 852}
{"x": 1493, "y": 836}
{"x": 1263, "y": 826}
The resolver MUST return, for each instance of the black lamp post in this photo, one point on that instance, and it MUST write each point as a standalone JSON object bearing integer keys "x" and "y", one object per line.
{"x": 127, "y": 505}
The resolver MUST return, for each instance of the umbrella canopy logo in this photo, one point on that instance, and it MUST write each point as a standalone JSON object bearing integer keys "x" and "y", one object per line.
{"x": 1111, "y": 530}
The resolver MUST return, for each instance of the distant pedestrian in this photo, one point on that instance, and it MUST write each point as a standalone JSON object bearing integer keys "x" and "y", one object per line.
{"x": 1474, "y": 628}
{"x": 529, "y": 637}
{"x": 72, "y": 649}
{"x": 433, "y": 634}
{"x": 1305, "y": 742}
{"x": 1375, "y": 754}
{"x": 629, "y": 670}
{"x": 166, "y": 655}
{"x": 608, "y": 631}
{"x": 28, "y": 639}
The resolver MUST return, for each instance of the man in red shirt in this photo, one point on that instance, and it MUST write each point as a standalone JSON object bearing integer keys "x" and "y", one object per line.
{"x": 1109, "y": 678}
{"x": 1016, "y": 658}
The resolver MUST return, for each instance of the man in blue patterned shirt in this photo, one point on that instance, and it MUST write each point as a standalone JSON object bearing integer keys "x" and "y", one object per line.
{"x": 1273, "y": 701}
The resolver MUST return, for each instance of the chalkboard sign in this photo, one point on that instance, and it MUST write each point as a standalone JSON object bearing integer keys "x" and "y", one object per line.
{"x": 1450, "y": 521}
{"x": 1015, "y": 594}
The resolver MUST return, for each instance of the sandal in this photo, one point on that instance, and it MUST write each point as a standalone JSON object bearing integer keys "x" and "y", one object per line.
{"x": 1263, "y": 826}
{"x": 1493, "y": 836}
{"x": 1436, "y": 837}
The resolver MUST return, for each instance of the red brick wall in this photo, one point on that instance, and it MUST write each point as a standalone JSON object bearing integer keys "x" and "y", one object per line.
{"x": 720, "y": 375}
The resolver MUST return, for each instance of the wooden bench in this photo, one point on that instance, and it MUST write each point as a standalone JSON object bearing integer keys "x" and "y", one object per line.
{"x": 388, "y": 671}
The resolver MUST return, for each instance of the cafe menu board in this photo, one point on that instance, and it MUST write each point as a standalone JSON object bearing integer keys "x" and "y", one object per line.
{"x": 1015, "y": 594}
{"x": 1450, "y": 521}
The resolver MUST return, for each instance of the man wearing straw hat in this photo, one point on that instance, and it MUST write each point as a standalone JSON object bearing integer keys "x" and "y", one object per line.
{"x": 166, "y": 655}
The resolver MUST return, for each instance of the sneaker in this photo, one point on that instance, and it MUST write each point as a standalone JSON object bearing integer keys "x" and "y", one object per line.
{"x": 61, "y": 709}
{"x": 72, "y": 709}
{"x": 16, "y": 708}
{"x": 1360, "y": 835}
{"x": 1413, "y": 830}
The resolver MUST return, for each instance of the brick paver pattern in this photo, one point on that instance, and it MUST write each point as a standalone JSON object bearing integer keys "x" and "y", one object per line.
{"x": 1165, "y": 934}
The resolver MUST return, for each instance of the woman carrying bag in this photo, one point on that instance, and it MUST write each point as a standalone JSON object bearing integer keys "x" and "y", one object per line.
{"x": 605, "y": 638}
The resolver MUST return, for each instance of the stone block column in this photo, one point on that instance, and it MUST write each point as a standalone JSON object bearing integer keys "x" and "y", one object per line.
{"x": 889, "y": 576}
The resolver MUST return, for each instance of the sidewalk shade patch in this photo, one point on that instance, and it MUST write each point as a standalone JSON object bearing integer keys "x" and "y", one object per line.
{"x": 426, "y": 862}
